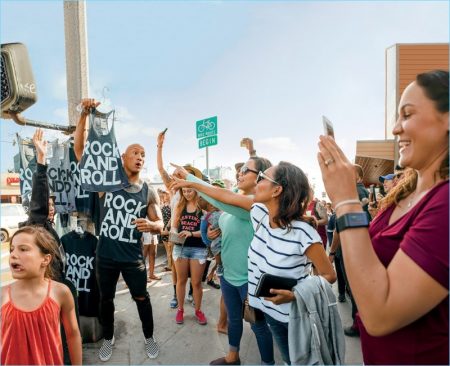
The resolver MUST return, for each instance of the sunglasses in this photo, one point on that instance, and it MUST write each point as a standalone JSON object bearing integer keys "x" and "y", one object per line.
{"x": 262, "y": 176}
{"x": 246, "y": 169}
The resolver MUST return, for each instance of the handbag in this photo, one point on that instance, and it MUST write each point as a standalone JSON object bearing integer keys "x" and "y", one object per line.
{"x": 248, "y": 312}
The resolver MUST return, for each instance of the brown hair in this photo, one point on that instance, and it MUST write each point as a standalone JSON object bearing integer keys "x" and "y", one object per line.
{"x": 181, "y": 205}
{"x": 435, "y": 86}
{"x": 294, "y": 198}
{"x": 44, "y": 241}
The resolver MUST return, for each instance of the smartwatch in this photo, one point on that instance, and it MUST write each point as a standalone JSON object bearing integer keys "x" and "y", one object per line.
{"x": 352, "y": 220}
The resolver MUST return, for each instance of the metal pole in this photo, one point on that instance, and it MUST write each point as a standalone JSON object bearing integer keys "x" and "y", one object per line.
{"x": 207, "y": 161}
{"x": 77, "y": 70}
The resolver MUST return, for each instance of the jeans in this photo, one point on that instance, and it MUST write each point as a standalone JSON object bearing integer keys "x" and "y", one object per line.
{"x": 135, "y": 276}
{"x": 280, "y": 333}
{"x": 234, "y": 297}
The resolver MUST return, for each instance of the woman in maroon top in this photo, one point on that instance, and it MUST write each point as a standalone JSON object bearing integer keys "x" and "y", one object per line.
{"x": 398, "y": 269}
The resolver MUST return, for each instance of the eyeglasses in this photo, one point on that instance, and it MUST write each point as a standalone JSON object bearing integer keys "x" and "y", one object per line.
{"x": 262, "y": 176}
{"x": 245, "y": 169}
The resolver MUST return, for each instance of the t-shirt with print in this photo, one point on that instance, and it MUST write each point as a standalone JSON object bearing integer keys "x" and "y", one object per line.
{"x": 119, "y": 239}
{"x": 80, "y": 269}
{"x": 422, "y": 234}
{"x": 278, "y": 252}
{"x": 190, "y": 221}
{"x": 166, "y": 212}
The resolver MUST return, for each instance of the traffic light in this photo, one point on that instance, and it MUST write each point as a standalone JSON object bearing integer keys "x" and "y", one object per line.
{"x": 18, "y": 89}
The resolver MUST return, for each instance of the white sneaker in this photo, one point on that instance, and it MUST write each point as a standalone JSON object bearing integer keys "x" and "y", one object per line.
{"x": 151, "y": 347}
{"x": 105, "y": 352}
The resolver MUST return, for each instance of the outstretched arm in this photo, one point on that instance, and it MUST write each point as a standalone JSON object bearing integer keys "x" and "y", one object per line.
{"x": 219, "y": 194}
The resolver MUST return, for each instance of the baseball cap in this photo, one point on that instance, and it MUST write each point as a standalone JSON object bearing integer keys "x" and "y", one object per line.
{"x": 218, "y": 182}
{"x": 386, "y": 177}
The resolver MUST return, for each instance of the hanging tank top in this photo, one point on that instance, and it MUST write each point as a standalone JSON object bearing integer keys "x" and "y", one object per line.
{"x": 31, "y": 337}
{"x": 101, "y": 167}
{"x": 119, "y": 239}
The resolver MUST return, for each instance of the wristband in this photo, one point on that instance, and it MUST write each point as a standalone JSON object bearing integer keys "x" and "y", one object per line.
{"x": 346, "y": 202}
{"x": 352, "y": 220}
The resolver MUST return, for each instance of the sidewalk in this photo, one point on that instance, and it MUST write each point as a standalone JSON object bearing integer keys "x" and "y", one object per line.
{"x": 190, "y": 343}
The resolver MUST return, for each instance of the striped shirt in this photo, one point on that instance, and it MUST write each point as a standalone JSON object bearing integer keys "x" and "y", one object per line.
{"x": 278, "y": 252}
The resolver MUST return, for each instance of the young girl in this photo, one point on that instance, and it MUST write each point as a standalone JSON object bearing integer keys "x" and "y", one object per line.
{"x": 33, "y": 305}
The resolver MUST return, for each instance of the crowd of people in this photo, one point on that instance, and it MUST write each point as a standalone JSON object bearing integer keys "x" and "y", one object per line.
{"x": 387, "y": 248}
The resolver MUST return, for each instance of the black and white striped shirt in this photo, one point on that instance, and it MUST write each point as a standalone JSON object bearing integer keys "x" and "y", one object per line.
{"x": 278, "y": 252}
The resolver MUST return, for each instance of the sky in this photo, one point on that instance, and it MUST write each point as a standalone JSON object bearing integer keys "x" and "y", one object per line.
{"x": 268, "y": 70}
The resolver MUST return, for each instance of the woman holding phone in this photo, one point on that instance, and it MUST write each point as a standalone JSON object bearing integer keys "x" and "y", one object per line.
{"x": 398, "y": 267}
{"x": 284, "y": 243}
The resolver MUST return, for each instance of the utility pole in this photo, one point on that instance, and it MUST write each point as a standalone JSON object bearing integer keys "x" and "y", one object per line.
{"x": 77, "y": 69}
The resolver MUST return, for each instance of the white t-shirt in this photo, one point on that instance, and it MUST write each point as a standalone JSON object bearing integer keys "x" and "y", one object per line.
{"x": 278, "y": 252}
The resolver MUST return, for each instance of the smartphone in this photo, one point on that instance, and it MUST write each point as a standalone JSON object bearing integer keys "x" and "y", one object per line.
{"x": 165, "y": 130}
{"x": 327, "y": 127}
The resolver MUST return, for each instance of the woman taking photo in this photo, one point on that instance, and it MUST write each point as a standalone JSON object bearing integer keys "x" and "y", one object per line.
{"x": 284, "y": 243}
{"x": 237, "y": 233}
{"x": 398, "y": 268}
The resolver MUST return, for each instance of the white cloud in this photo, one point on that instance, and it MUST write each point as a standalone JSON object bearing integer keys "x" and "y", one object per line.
{"x": 280, "y": 143}
{"x": 61, "y": 114}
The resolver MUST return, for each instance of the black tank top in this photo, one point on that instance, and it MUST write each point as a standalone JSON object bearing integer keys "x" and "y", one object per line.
{"x": 119, "y": 239}
{"x": 101, "y": 167}
{"x": 190, "y": 221}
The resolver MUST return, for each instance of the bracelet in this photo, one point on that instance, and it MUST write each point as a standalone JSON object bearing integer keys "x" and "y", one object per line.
{"x": 346, "y": 202}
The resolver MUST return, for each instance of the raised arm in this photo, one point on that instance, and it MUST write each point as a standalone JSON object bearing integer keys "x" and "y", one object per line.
{"x": 159, "y": 161}
{"x": 40, "y": 192}
{"x": 248, "y": 144}
{"x": 388, "y": 298}
{"x": 80, "y": 134}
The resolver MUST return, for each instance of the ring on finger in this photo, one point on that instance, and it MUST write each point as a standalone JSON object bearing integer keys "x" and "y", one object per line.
{"x": 329, "y": 161}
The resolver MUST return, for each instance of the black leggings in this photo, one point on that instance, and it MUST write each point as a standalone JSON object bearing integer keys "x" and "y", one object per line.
{"x": 135, "y": 276}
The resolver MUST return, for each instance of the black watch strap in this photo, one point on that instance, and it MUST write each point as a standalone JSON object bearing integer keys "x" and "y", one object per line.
{"x": 352, "y": 220}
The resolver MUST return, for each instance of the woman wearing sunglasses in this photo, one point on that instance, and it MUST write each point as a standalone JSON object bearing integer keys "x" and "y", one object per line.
{"x": 237, "y": 233}
{"x": 284, "y": 242}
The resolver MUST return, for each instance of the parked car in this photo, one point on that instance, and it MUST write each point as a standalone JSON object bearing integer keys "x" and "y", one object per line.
{"x": 10, "y": 216}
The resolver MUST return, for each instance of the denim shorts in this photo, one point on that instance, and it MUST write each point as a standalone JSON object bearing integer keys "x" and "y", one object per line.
{"x": 180, "y": 251}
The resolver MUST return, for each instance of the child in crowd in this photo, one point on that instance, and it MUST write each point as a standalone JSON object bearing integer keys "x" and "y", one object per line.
{"x": 34, "y": 304}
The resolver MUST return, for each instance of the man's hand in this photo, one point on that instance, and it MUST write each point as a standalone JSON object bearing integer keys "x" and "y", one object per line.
{"x": 41, "y": 145}
{"x": 282, "y": 296}
{"x": 143, "y": 225}
{"x": 87, "y": 104}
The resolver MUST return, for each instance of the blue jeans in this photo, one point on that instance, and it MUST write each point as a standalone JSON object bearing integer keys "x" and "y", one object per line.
{"x": 280, "y": 333}
{"x": 234, "y": 297}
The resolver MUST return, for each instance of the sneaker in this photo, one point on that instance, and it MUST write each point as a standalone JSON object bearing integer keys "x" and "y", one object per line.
{"x": 151, "y": 347}
{"x": 105, "y": 352}
{"x": 219, "y": 270}
{"x": 173, "y": 303}
{"x": 213, "y": 284}
{"x": 180, "y": 316}
{"x": 201, "y": 318}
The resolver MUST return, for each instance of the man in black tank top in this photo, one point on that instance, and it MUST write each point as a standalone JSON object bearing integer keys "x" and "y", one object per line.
{"x": 124, "y": 215}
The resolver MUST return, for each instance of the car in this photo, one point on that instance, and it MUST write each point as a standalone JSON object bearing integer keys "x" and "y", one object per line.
{"x": 10, "y": 216}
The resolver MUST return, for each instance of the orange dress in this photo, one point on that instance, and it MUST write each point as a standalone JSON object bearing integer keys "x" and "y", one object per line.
{"x": 31, "y": 337}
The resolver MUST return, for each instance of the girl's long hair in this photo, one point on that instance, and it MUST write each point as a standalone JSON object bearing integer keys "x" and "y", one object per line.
{"x": 182, "y": 204}
{"x": 295, "y": 197}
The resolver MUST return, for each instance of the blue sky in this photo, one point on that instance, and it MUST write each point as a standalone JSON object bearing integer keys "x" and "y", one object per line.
{"x": 268, "y": 70}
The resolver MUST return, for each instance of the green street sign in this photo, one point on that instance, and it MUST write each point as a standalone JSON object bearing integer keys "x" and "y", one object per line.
{"x": 207, "y": 141}
{"x": 206, "y": 127}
